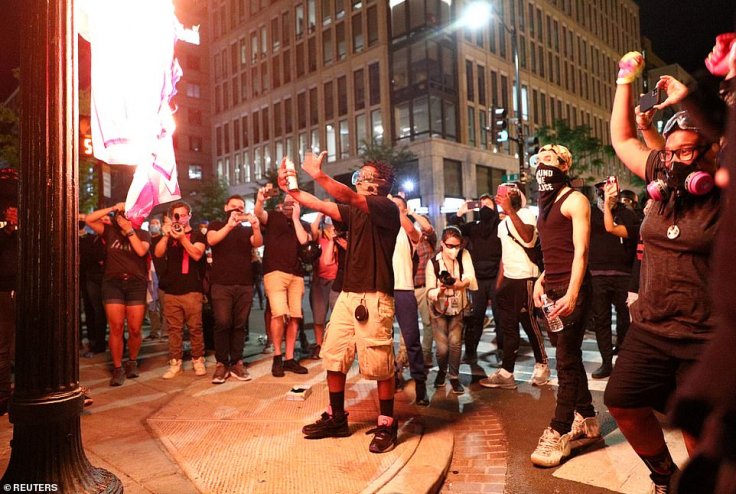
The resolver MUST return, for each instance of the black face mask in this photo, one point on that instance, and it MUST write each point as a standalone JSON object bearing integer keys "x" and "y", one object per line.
{"x": 550, "y": 180}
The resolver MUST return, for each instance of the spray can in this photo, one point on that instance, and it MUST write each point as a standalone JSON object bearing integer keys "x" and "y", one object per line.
{"x": 291, "y": 182}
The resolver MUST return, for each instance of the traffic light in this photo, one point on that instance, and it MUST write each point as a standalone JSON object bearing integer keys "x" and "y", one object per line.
{"x": 500, "y": 123}
{"x": 532, "y": 146}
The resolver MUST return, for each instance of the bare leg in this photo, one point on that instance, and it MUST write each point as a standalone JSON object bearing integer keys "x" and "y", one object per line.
{"x": 292, "y": 328}
{"x": 135, "y": 314}
{"x": 116, "y": 319}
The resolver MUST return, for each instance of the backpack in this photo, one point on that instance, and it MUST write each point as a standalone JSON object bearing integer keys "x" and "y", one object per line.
{"x": 533, "y": 253}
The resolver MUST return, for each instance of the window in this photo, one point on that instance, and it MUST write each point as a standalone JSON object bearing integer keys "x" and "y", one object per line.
{"x": 195, "y": 143}
{"x": 360, "y": 129}
{"x": 256, "y": 120}
{"x": 342, "y": 96}
{"x": 312, "y": 52}
{"x": 286, "y": 64}
{"x": 301, "y": 110}
{"x": 453, "y": 175}
{"x": 288, "y": 117}
{"x": 357, "y": 33}
{"x": 331, "y": 142}
{"x": 483, "y": 128}
{"x": 374, "y": 84}
{"x": 471, "y": 126}
{"x": 285, "y": 28}
{"x": 469, "y": 80}
{"x": 481, "y": 85}
{"x": 327, "y": 46}
{"x": 226, "y": 138}
{"x": 359, "y": 89}
{"x": 266, "y": 124}
{"x": 195, "y": 172}
{"x": 329, "y": 107}
{"x": 372, "y": 26}
{"x": 376, "y": 126}
{"x": 218, "y": 139}
{"x": 299, "y": 20}
{"x": 277, "y": 122}
{"x": 314, "y": 109}
{"x": 275, "y": 37}
{"x": 342, "y": 49}
{"x": 244, "y": 128}
{"x": 420, "y": 116}
{"x": 193, "y": 90}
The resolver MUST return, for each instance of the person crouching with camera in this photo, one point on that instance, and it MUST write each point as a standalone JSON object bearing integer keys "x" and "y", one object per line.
{"x": 123, "y": 284}
{"x": 450, "y": 274}
{"x": 183, "y": 249}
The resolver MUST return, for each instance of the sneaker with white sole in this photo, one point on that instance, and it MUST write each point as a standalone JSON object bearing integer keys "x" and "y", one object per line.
{"x": 551, "y": 449}
{"x": 541, "y": 374}
{"x": 497, "y": 380}
{"x": 239, "y": 372}
{"x": 200, "y": 368}
{"x": 585, "y": 428}
{"x": 174, "y": 369}
{"x": 221, "y": 373}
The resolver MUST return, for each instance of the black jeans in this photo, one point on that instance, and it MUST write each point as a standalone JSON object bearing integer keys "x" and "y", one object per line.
{"x": 486, "y": 291}
{"x": 573, "y": 393}
{"x": 609, "y": 290}
{"x": 515, "y": 305}
{"x": 231, "y": 306}
{"x": 95, "y": 317}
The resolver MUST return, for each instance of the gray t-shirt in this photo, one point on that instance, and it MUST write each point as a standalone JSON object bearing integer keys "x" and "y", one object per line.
{"x": 674, "y": 297}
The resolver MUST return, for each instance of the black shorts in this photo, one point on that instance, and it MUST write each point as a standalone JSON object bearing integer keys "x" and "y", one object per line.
{"x": 131, "y": 291}
{"x": 649, "y": 369}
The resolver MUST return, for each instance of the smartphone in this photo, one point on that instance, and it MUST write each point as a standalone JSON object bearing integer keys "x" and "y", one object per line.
{"x": 503, "y": 189}
{"x": 650, "y": 99}
{"x": 614, "y": 180}
{"x": 473, "y": 205}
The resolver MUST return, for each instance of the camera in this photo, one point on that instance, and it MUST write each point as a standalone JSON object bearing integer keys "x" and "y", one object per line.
{"x": 650, "y": 99}
{"x": 270, "y": 191}
{"x": 176, "y": 226}
{"x": 114, "y": 214}
{"x": 446, "y": 278}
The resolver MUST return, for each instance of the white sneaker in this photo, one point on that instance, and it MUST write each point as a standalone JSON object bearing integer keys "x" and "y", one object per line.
{"x": 199, "y": 366}
{"x": 496, "y": 380}
{"x": 585, "y": 428}
{"x": 174, "y": 369}
{"x": 551, "y": 449}
{"x": 541, "y": 374}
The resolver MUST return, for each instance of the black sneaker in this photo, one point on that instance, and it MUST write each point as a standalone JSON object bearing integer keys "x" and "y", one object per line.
{"x": 292, "y": 365}
{"x": 602, "y": 372}
{"x": 315, "y": 352}
{"x": 457, "y": 388}
{"x": 277, "y": 368}
{"x": 439, "y": 381}
{"x": 421, "y": 399}
{"x": 327, "y": 426}
{"x": 131, "y": 369}
{"x": 386, "y": 435}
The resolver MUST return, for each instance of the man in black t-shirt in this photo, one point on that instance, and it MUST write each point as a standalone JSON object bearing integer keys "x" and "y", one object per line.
{"x": 183, "y": 249}
{"x": 362, "y": 319}
{"x": 283, "y": 277}
{"x": 231, "y": 285}
{"x": 614, "y": 230}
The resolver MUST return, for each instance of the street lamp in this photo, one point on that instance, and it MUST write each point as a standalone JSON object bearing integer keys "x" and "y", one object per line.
{"x": 477, "y": 14}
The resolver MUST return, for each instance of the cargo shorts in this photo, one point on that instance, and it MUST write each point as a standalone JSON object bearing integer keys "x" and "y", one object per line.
{"x": 372, "y": 339}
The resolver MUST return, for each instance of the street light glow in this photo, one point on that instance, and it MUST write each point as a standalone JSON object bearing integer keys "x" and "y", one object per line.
{"x": 408, "y": 185}
{"x": 476, "y": 14}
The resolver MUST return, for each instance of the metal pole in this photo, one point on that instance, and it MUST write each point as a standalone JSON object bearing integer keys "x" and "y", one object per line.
{"x": 47, "y": 402}
{"x": 517, "y": 88}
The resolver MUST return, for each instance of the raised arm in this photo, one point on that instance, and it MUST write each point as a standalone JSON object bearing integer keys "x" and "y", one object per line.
{"x": 301, "y": 234}
{"x": 312, "y": 165}
{"x": 258, "y": 210}
{"x": 628, "y": 148}
{"x": 306, "y": 199}
{"x": 94, "y": 219}
{"x": 608, "y": 205}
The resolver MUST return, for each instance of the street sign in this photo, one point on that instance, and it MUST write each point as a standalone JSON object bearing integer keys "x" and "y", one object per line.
{"x": 512, "y": 177}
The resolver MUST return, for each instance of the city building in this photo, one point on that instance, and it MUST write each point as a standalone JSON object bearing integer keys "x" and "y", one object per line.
{"x": 288, "y": 76}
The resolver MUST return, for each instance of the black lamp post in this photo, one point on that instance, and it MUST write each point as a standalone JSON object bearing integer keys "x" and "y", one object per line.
{"x": 47, "y": 402}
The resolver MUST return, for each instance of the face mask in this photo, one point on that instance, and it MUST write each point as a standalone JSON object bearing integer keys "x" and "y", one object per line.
{"x": 154, "y": 229}
{"x": 550, "y": 180}
{"x": 203, "y": 231}
{"x": 486, "y": 214}
{"x": 451, "y": 252}
{"x": 681, "y": 178}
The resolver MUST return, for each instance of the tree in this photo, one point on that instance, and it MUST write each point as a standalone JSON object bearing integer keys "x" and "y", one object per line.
{"x": 401, "y": 158}
{"x": 211, "y": 199}
{"x": 9, "y": 138}
{"x": 588, "y": 152}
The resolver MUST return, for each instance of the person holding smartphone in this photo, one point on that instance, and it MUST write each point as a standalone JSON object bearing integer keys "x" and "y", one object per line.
{"x": 124, "y": 284}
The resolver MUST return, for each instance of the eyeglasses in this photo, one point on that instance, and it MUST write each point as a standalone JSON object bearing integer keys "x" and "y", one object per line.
{"x": 683, "y": 154}
{"x": 364, "y": 175}
{"x": 452, "y": 246}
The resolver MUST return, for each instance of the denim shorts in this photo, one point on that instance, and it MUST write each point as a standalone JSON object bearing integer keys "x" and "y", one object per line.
{"x": 124, "y": 291}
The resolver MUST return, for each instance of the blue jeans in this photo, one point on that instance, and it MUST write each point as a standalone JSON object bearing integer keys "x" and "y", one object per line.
{"x": 231, "y": 306}
{"x": 448, "y": 340}
{"x": 408, "y": 318}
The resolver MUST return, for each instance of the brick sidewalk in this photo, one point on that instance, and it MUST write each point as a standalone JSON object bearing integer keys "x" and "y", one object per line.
{"x": 480, "y": 454}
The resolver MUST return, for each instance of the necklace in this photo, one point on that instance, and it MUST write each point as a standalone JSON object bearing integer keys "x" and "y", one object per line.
{"x": 673, "y": 232}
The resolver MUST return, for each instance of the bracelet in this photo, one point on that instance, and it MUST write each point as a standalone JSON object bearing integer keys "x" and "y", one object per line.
{"x": 130, "y": 233}
{"x": 644, "y": 128}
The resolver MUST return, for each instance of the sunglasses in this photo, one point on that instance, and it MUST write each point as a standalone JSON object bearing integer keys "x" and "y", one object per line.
{"x": 364, "y": 175}
{"x": 452, "y": 246}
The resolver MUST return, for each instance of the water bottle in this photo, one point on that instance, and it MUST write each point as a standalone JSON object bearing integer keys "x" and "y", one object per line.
{"x": 291, "y": 183}
{"x": 555, "y": 324}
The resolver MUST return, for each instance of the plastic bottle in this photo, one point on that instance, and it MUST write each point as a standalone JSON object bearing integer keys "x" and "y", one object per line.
{"x": 291, "y": 182}
{"x": 555, "y": 324}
